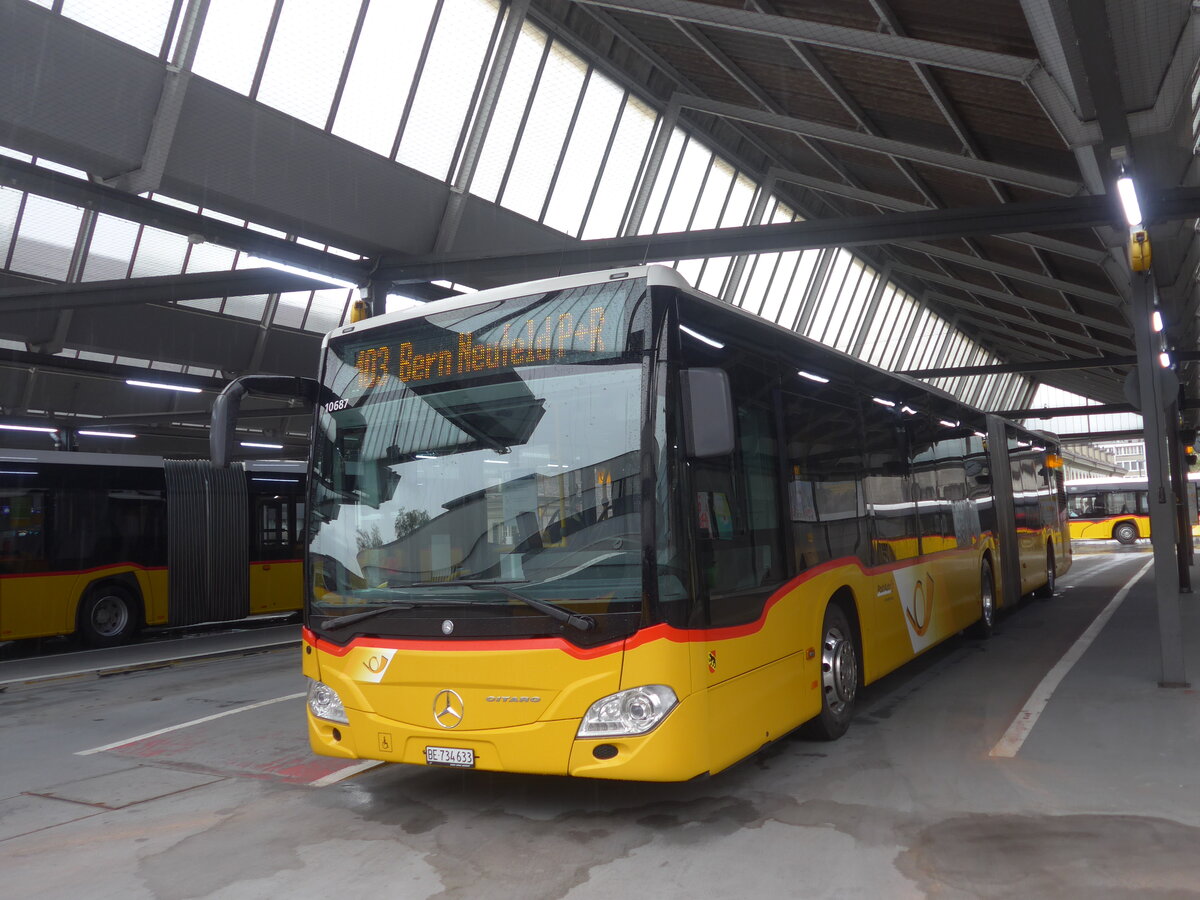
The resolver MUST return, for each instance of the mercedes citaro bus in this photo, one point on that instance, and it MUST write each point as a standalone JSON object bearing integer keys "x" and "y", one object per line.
{"x": 606, "y": 526}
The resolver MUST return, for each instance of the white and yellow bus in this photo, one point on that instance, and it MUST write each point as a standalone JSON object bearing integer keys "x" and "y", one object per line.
{"x": 1116, "y": 509}
{"x": 606, "y": 526}
{"x": 97, "y": 545}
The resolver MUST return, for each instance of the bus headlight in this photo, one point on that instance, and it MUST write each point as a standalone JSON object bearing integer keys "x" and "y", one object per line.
{"x": 634, "y": 711}
{"x": 324, "y": 703}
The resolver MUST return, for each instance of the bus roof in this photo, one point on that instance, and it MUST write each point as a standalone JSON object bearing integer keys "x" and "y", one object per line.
{"x": 655, "y": 274}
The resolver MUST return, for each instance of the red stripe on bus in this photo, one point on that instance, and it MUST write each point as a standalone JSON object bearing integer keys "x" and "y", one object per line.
{"x": 54, "y": 572}
{"x": 661, "y": 631}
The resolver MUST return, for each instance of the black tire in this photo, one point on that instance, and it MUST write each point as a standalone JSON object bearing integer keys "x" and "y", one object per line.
{"x": 108, "y": 615}
{"x": 1125, "y": 533}
{"x": 840, "y": 674}
{"x": 1046, "y": 591}
{"x": 985, "y": 627}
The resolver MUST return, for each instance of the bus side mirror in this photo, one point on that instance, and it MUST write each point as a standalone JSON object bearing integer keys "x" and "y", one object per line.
{"x": 707, "y": 412}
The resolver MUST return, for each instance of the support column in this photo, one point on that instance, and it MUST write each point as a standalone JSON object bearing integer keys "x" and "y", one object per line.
{"x": 734, "y": 280}
{"x": 666, "y": 127}
{"x": 1159, "y": 494}
{"x": 864, "y": 324}
{"x": 148, "y": 175}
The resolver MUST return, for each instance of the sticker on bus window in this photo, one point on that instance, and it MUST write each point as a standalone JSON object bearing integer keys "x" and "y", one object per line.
{"x": 703, "y": 516}
{"x": 723, "y": 516}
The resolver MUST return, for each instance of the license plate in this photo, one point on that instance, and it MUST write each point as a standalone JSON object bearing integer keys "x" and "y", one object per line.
{"x": 450, "y": 756}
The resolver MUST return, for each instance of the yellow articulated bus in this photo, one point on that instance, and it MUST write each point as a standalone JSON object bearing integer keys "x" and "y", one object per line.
{"x": 1116, "y": 509}
{"x": 606, "y": 526}
{"x": 99, "y": 544}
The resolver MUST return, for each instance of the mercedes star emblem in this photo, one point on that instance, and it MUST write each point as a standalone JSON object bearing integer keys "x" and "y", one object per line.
{"x": 447, "y": 709}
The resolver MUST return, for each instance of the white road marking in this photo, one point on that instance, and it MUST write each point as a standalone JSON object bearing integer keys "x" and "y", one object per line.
{"x": 340, "y": 774}
{"x": 1010, "y": 744}
{"x": 220, "y": 715}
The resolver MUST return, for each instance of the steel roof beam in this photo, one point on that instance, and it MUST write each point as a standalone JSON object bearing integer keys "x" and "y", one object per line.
{"x": 1043, "y": 341}
{"x": 155, "y": 289}
{"x": 982, "y": 62}
{"x": 1062, "y": 248}
{"x": 1032, "y": 306}
{"x": 955, "y": 162}
{"x": 25, "y": 176}
{"x": 1099, "y": 362}
{"x": 986, "y": 265}
{"x": 582, "y": 256}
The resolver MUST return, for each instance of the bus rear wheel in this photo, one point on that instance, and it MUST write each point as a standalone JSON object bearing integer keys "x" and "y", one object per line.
{"x": 1046, "y": 591}
{"x": 986, "y": 626}
{"x": 1125, "y": 533}
{"x": 839, "y": 676}
{"x": 108, "y": 616}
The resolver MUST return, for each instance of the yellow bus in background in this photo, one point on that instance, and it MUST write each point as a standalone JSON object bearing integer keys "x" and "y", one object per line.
{"x": 1103, "y": 509}
{"x": 606, "y": 526}
{"x": 98, "y": 545}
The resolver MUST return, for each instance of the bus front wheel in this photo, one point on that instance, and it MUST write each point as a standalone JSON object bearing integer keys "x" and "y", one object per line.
{"x": 1125, "y": 533}
{"x": 839, "y": 676}
{"x": 108, "y": 616}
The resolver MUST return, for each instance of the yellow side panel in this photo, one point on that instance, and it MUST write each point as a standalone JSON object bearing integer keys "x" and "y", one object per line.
{"x": 276, "y": 586}
{"x": 45, "y": 605}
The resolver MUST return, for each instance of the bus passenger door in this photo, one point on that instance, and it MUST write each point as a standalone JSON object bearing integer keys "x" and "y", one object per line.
{"x": 276, "y": 567}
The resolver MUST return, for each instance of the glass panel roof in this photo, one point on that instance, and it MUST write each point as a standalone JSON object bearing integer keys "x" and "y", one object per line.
{"x": 411, "y": 84}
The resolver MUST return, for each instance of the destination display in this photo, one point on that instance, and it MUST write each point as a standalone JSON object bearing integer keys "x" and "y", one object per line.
{"x": 583, "y": 324}
{"x": 518, "y": 344}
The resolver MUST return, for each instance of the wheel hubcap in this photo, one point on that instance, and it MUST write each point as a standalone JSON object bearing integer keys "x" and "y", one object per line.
{"x": 989, "y": 601}
{"x": 839, "y": 670}
{"x": 109, "y": 616}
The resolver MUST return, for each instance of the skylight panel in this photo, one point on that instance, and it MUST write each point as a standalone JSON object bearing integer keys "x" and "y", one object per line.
{"x": 381, "y": 73}
{"x": 306, "y": 58}
{"x": 232, "y": 41}
{"x": 140, "y": 23}
{"x": 443, "y": 98}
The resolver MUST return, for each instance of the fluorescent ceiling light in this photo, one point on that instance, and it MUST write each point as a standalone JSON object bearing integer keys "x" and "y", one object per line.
{"x": 700, "y": 337}
{"x": 1156, "y": 321}
{"x": 1164, "y": 360}
{"x": 909, "y": 410}
{"x": 425, "y": 456}
{"x": 30, "y": 428}
{"x": 262, "y": 446}
{"x": 284, "y": 480}
{"x": 497, "y": 462}
{"x": 15, "y": 472}
{"x": 296, "y": 270}
{"x": 1129, "y": 201}
{"x": 811, "y": 377}
{"x": 883, "y": 402}
{"x": 113, "y": 434}
{"x": 947, "y": 423}
{"x": 163, "y": 387}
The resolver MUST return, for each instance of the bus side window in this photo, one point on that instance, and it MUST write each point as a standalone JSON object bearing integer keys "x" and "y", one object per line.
{"x": 273, "y": 534}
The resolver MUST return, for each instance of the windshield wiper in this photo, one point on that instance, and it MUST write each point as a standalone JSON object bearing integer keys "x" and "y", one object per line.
{"x": 346, "y": 621}
{"x": 553, "y": 610}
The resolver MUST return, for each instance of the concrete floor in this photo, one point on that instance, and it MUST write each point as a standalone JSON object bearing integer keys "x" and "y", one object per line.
{"x": 1102, "y": 800}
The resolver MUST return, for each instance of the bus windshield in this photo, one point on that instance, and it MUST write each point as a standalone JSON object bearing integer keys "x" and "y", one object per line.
{"x": 470, "y": 462}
